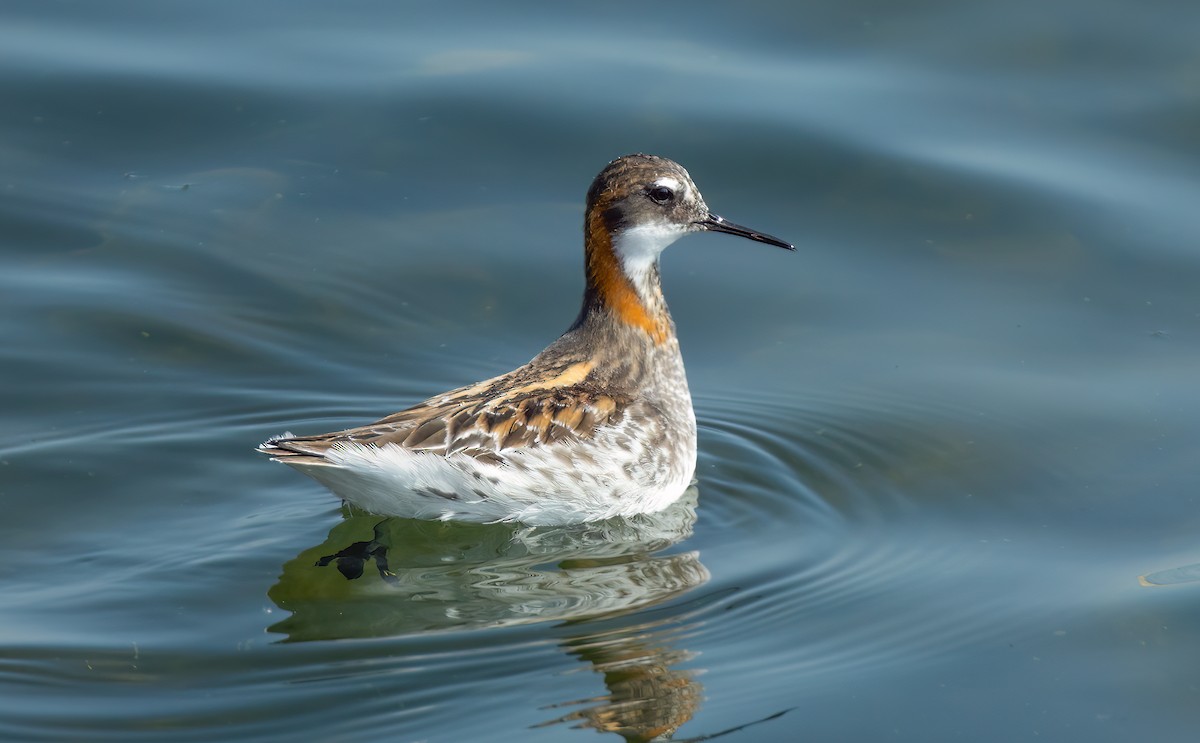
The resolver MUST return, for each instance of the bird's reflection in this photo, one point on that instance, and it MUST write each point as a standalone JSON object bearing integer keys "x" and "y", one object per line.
{"x": 648, "y": 697}
{"x": 376, "y": 577}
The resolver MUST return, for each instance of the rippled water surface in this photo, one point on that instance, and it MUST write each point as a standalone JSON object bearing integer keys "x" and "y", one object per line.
{"x": 948, "y": 450}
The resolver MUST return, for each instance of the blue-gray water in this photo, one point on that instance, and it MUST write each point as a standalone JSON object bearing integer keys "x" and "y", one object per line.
{"x": 949, "y": 455}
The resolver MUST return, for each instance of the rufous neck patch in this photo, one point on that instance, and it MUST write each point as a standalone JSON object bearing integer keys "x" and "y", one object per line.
{"x": 613, "y": 287}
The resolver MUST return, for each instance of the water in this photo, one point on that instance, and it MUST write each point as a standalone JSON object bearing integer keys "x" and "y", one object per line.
{"x": 947, "y": 482}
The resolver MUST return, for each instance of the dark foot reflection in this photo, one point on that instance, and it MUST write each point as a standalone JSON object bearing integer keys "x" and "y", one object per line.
{"x": 352, "y": 559}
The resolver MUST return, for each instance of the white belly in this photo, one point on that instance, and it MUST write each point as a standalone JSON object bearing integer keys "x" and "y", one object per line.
{"x": 551, "y": 485}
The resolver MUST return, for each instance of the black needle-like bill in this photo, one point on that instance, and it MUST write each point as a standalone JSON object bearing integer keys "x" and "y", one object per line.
{"x": 720, "y": 224}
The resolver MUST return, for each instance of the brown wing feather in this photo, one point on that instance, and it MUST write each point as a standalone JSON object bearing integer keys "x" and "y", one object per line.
{"x": 525, "y": 408}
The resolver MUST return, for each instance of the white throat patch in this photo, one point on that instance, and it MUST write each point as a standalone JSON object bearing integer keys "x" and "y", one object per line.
{"x": 639, "y": 247}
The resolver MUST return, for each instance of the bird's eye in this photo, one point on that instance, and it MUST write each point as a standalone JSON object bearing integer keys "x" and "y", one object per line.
{"x": 661, "y": 195}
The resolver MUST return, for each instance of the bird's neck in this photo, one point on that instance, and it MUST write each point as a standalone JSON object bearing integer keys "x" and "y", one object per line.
{"x": 623, "y": 285}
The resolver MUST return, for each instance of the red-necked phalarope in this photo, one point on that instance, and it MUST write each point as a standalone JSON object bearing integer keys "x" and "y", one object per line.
{"x": 599, "y": 424}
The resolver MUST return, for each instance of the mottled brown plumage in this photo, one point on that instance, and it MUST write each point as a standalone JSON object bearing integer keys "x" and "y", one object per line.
{"x": 550, "y": 400}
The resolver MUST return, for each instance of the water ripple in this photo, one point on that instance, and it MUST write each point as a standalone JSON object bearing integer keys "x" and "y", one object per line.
{"x": 829, "y": 494}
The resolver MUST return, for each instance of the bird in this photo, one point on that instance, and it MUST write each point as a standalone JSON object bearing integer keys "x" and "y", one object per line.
{"x": 599, "y": 425}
